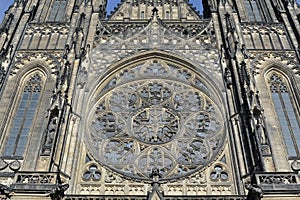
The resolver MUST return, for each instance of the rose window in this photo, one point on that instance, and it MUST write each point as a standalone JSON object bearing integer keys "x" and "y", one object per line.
{"x": 140, "y": 124}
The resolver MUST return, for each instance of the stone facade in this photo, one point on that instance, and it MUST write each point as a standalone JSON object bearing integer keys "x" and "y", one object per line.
{"x": 154, "y": 101}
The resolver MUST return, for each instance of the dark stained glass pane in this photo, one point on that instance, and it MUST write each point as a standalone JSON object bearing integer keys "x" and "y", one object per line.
{"x": 284, "y": 125}
{"x": 256, "y": 11}
{"x": 292, "y": 117}
{"x": 61, "y": 11}
{"x": 249, "y": 9}
{"x": 58, "y": 10}
{"x": 253, "y": 10}
{"x": 54, "y": 11}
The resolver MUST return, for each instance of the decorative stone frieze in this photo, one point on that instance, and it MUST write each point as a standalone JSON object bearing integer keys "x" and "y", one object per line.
{"x": 265, "y": 36}
{"x": 32, "y": 59}
{"x": 45, "y": 36}
{"x": 261, "y": 60}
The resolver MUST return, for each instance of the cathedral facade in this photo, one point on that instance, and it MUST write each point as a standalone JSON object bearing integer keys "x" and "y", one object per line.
{"x": 153, "y": 101}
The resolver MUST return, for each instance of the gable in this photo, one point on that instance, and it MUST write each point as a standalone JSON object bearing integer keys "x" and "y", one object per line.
{"x": 173, "y": 10}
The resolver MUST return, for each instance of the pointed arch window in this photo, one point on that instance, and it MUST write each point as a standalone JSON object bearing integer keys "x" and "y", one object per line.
{"x": 24, "y": 117}
{"x": 58, "y": 10}
{"x": 286, "y": 113}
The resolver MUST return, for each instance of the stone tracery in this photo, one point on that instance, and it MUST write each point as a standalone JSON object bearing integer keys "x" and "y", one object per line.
{"x": 158, "y": 122}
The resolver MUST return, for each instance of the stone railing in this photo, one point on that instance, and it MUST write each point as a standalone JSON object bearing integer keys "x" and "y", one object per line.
{"x": 33, "y": 178}
{"x": 36, "y": 181}
{"x": 278, "y": 182}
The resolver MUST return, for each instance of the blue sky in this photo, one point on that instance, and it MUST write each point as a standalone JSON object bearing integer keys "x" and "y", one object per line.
{"x": 4, "y": 4}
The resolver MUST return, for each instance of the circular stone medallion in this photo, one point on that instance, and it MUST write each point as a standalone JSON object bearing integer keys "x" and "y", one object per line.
{"x": 166, "y": 126}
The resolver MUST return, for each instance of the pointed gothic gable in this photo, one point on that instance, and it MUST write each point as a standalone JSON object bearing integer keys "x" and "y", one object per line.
{"x": 167, "y": 10}
{"x": 156, "y": 35}
{"x": 153, "y": 34}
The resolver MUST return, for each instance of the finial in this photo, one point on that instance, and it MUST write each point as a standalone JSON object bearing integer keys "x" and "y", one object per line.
{"x": 154, "y": 11}
{"x": 155, "y": 194}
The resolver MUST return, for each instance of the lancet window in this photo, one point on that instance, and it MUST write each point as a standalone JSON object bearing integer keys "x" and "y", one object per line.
{"x": 286, "y": 113}
{"x": 24, "y": 117}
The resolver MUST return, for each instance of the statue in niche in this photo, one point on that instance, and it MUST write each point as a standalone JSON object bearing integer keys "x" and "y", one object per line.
{"x": 261, "y": 133}
{"x": 51, "y": 129}
{"x": 227, "y": 77}
{"x": 82, "y": 77}
{"x": 260, "y": 128}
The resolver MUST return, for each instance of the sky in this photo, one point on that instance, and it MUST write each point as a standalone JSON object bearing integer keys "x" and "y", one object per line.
{"x": 4, "y": 4}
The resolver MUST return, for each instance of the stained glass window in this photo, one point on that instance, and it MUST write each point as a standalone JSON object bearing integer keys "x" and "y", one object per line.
{"x": 286, "y": 114}
{"x": 24, "y": 117}
{"x": 58, "y": 10}
{"x": 253, "y": 10}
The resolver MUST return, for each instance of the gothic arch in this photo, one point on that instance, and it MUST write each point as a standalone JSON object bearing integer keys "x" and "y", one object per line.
{"x": 155, "y": 104}
{"x": 284, "y": 62}
{"x": 48, "y": 63}
{"x": 214, "y": 85}
{"x": 271, "y": 67}
{"x": 28, "y": 90}
{"x": 21, "y": 78}
{"x": 46, "y": 66}
{"x": 31, "y": 69}
{"x": 287, "y": 73}
{"x": 286, "y": 105}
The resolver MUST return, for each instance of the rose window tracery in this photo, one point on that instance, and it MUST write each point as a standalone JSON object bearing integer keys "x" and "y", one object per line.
{"x": 152, "y": 123}
{"x": 155, "y": 125}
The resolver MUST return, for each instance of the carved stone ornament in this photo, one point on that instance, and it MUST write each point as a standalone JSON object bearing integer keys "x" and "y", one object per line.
{"x": 13, "y": 165}
{"x": 155, "y": 116}
{"x": 296, "y": 165}
{"x": 3, "y": 164}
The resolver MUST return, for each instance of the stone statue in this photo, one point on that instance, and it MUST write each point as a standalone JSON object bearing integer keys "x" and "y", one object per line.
{"x": 51, "y": 130}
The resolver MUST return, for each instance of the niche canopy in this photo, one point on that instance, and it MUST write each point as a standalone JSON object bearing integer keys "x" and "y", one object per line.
{"x": 155, "y": 116}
